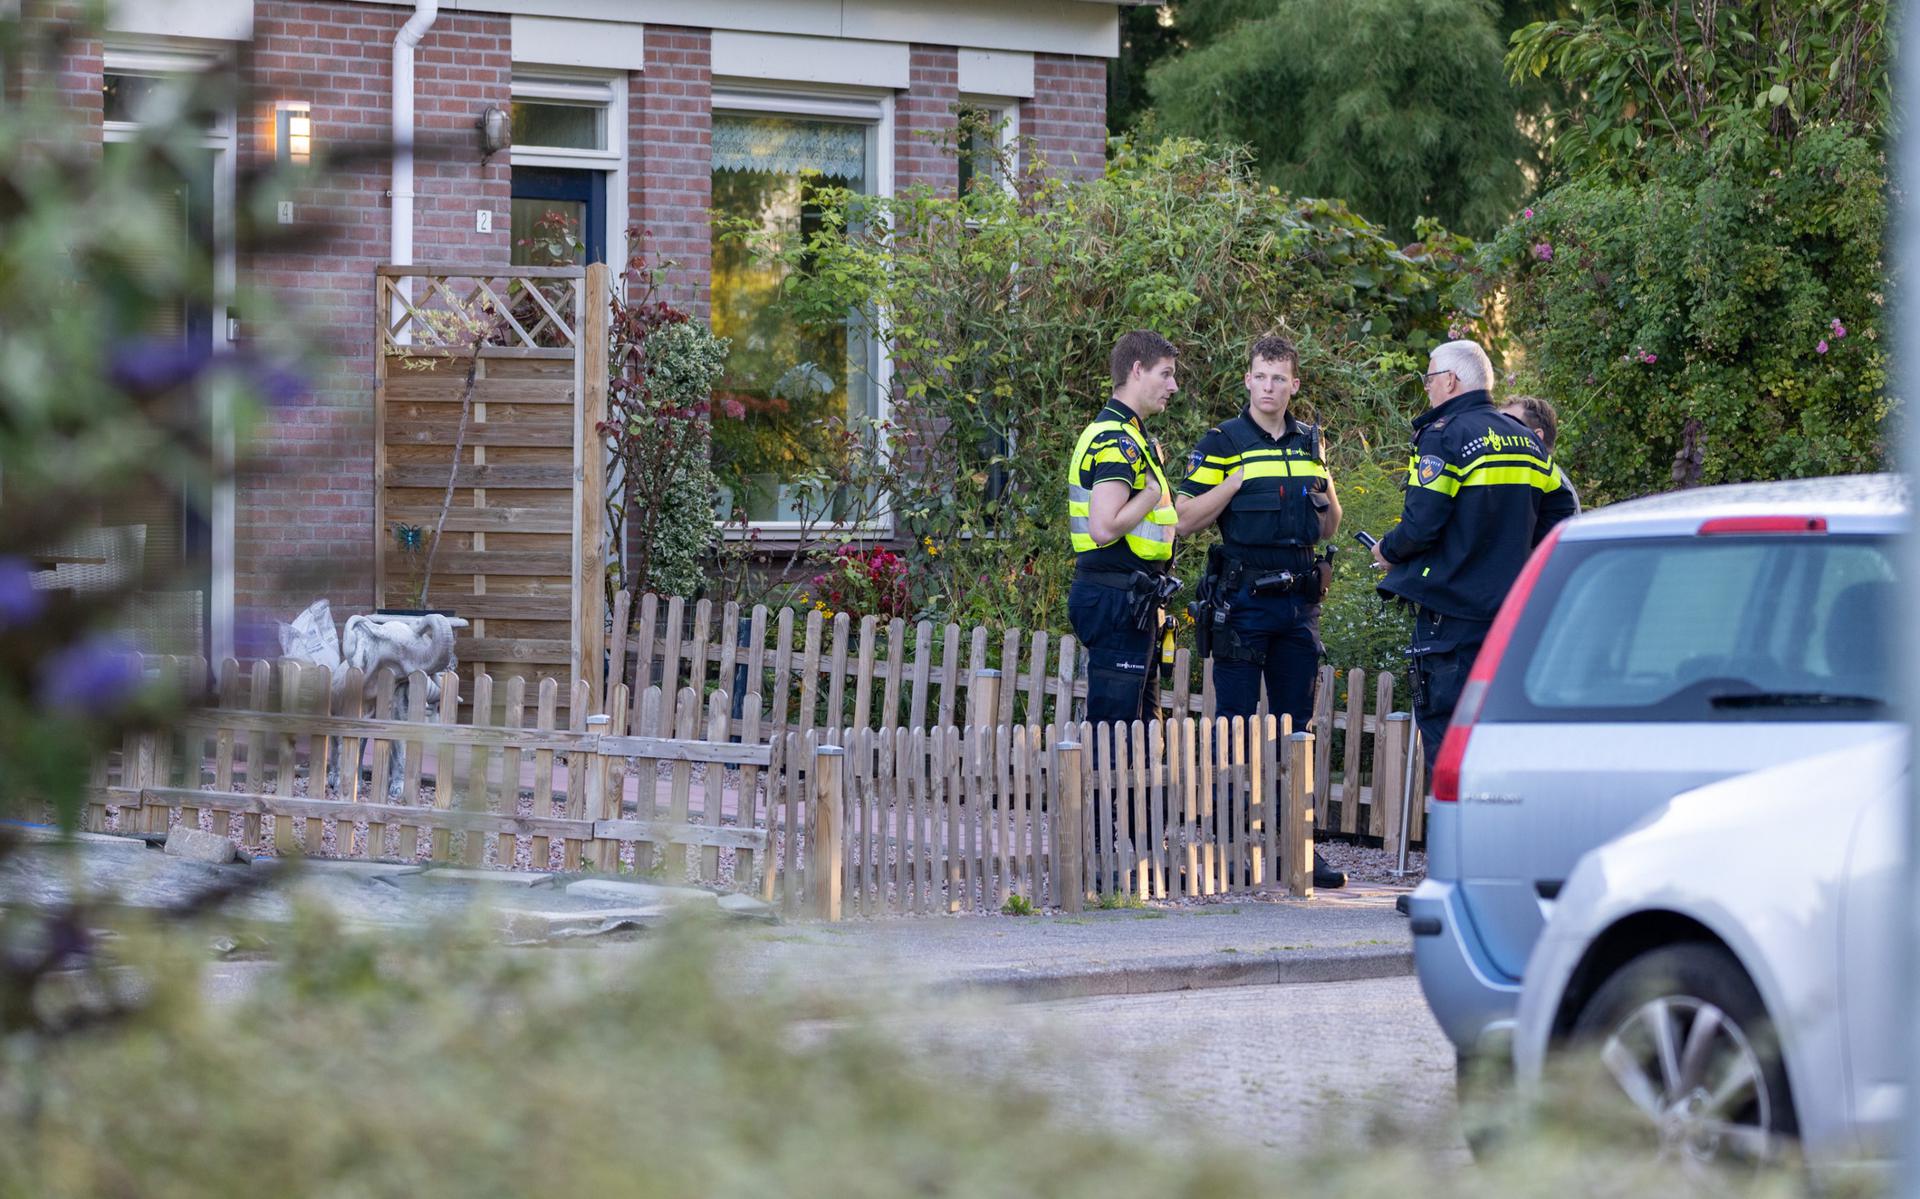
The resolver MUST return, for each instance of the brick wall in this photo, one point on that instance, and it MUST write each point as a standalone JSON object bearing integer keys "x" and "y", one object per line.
{"x": 305, "y": 512}
{"x": 924, "y": 120}
{"x": 670, "y": 155}
{"x": 74, "y": 68}
{"x": 1067, "y": 117}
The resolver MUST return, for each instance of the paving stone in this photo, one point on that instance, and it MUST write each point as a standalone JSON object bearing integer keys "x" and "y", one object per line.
{"x": 746, "y": 907}
{"x": 47, "y": 834}
{"x": 198, "y": 846}
{"x": 498, "y": 878}
{"x": 347, "y": 867}
{"x": 524, "y": 924}
{"x": 642, "y": 893}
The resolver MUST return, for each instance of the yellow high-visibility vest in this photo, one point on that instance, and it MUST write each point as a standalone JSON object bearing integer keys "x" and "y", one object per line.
{"x": 1152, "y": 538}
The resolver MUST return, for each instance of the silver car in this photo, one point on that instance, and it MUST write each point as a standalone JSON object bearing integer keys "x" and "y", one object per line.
{"x": 1648, "y": 648}
{"x": 1731, "y": 963}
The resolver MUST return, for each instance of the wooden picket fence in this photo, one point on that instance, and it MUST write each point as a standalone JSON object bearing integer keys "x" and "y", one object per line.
{"x": 863, "y": 821}
{"x": 815, "y": 672}
{"x": 962, "y": 819}
{"x": 507, "y": 788}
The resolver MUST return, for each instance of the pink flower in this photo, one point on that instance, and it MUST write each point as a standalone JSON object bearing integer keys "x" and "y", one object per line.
{"x": 733, "y": 408}
{"x": 1544, "y": 251}
{"x": 1649, "y": 357}
{"x": 1822, "y": 347}
{"x": 1527, "y": 212}
{"x": 1839, "y": 330}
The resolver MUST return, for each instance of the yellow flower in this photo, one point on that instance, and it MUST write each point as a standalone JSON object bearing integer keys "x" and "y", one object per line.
{"x": 933, "y": 551}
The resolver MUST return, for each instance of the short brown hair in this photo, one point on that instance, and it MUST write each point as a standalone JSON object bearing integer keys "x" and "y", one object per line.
{"x": 1143, "y": 346}
{"x": 1540, "y": 417}
{"x": 1275, "y": 348}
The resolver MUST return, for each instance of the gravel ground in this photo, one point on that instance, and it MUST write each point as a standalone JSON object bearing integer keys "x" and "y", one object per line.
{"x": 1366, "y": 864}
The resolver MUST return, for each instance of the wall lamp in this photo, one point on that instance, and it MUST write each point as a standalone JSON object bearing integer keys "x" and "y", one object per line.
{"x": 496, "y": 130}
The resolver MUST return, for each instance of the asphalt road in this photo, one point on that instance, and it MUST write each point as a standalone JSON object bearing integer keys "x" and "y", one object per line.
{"x": 1291, "y": 1068}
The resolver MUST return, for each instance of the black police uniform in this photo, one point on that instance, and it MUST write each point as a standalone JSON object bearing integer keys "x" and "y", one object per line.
{"x": 1481, "y": 493}
{"x": 1268, "y": 531}
{"x": 1110, "y": 602}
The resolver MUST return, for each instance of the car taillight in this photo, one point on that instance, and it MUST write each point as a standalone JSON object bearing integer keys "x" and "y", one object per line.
{"x": 1453, "y": 748}
{"x": 1764, "y": 524}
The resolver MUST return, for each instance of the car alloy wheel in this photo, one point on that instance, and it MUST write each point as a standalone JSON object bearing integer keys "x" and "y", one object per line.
{"x": 1683, "y": 1036}
{"x": 1690, "y": 1069}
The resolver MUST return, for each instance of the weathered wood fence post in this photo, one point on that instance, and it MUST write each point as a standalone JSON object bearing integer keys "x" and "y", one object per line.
{"x": 1068, "y": 836}
{"x": 1298, "y": 821}
{"x": 824, "y": 860}
{"x": 1389, "y": 823}
{"x": 590, "y": 461}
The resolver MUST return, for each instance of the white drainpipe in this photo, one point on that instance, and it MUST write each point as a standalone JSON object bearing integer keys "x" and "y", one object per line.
{"x": 425, "y": 12}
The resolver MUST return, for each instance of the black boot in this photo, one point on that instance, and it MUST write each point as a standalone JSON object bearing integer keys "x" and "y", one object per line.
{"x": 1402, "y": 905}
{"x": 1325, "y": 877}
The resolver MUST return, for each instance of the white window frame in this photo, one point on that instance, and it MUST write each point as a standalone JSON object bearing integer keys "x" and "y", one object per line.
{"x": 133, "y": 57}
{"x": 581, "y": 85}
{"x": 1008, "y": 110}
{"x": 875, "y": 109}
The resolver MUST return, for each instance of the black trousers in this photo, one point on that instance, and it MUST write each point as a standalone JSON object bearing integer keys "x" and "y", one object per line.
{"x": 1120, "y": 656}
{"x": 1443, "y": 650}
{"x": 1285, "y": 631}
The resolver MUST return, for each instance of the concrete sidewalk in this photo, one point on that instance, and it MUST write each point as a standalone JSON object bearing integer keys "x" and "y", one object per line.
{"x": 1338, "y": 936}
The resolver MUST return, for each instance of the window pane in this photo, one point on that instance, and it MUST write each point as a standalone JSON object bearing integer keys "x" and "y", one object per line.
{"x": 131, "y": 98}
{"x": 566, "y": 126}
{"x": 785, "y": 385}
{"x": 1658, "y": 630}
{"x": 548, "y": 232}
{"x": 978, "y": 154}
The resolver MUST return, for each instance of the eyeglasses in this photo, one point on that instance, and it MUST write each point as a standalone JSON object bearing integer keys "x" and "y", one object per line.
{"x": 1427, "y": 376}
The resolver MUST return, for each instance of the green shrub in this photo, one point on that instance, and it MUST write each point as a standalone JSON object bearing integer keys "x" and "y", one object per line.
{"x": 1723, "y": 313}
{"x": 659, "y": 429}
{"x": 1357, "y": 628}
{"x": 1002, "y": 307}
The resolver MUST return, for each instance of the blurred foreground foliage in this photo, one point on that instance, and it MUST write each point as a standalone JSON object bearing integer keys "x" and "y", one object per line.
{"x": 427, "y": 1065}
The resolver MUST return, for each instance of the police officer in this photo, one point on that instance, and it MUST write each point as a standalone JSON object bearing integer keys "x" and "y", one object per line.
{"x": 1262, "y": 477}
{"x": 1121, "y": 517}
{"x": 1481, "y": 493}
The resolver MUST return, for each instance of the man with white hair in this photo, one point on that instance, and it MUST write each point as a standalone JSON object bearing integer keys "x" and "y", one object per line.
{"x": 1481, "y": 493}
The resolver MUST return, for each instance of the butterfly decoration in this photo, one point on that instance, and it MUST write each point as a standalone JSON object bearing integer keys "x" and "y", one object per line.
{"x": 410, "y": 537}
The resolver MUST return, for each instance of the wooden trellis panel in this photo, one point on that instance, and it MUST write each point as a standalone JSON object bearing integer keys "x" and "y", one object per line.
{"x": 522, "y": 549}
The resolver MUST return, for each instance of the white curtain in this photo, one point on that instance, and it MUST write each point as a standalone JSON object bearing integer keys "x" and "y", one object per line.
{"x": 789, "y": 146}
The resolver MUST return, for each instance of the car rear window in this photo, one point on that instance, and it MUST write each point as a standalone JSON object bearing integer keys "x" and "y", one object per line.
{"x": 1705, "y": 628}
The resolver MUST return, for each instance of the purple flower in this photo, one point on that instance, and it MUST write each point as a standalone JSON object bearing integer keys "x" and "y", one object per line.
{"x": 1839, "y": 330}
{"x": 279, "y": 386}
{"x": 153, "y": 365}
{"x": 1822, "y": 347}
{"x": 20, "y": 601}
{"x": 91, "y": 677}
{"x": 1544, "y": 251}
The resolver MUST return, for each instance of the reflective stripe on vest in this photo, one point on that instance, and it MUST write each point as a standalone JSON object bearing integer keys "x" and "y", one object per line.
{"x": 1152, "y": 538}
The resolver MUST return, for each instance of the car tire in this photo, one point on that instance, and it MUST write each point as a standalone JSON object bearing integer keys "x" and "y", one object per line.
{"x": 1692, "y": 1056}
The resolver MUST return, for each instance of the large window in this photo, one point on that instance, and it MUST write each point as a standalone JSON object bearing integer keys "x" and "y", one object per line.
{"x": 791, "y": 393}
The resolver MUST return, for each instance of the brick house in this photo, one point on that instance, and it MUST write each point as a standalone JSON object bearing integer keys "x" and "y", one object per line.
{"x": 660, "y": 115}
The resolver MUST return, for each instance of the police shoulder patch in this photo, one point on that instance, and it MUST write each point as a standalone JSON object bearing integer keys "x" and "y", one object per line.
{"x": 1429, "y": 467}
{"x": 1194, "y": 460}
{"x": 1129, "y": 450}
